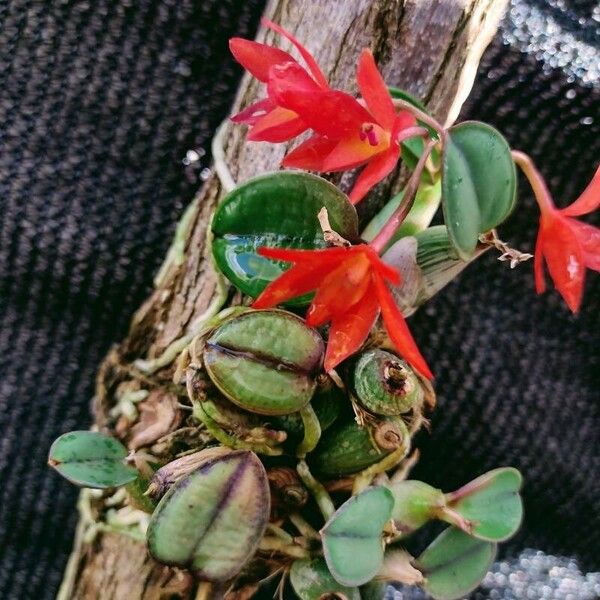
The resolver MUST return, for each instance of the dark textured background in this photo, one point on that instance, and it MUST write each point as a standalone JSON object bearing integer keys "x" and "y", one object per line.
{"x": 99, "y": 102}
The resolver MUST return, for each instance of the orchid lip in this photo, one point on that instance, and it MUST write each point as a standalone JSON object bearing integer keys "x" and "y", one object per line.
{"x": 367, "y": 132}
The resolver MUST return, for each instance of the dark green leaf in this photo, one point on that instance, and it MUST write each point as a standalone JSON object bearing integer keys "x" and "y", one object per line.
{"x": 91, "y": 459}
{"x": 275, "y": 210}
{"x": 352, "y": 538}
{"x": 492, "y": 503}
{"x": 312, "y": 580}
{"x": 455, "y": 564}
{"x": 478, "y": 183}
{"x": 212, "y": 521}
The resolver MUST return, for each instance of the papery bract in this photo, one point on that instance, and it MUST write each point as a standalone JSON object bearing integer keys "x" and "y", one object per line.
{"x": 351, "y": 290}
{"x": 568, "y": 246}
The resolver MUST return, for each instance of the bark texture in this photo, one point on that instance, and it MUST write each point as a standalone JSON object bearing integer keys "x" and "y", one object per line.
{"x": 430, "y": 48}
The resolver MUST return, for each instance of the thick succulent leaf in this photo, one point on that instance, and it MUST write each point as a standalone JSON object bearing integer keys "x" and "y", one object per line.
{"x": 91, "y": 459}
{"x": 414, "y": 504}
{"x": 211, "y": 521}
{"x": 492, "y": 503}
{"x": 352, "y": 538}
{"x": 478, "y": 183}
{"x": 312, "y": 580}
{"x": 251, "y": 360}
{"x": 439, "y": 261}
{"x": 278, "y": 210}
{"x": 455, "y": 564}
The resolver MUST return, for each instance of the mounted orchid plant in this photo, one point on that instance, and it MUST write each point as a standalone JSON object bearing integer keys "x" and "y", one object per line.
{"x": 304, "y": 402}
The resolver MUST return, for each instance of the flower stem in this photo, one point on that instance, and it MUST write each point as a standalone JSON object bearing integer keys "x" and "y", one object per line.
{"x": 312, "y": 431}
{"x": 274, "y": 544}
{"x": 364, "y": 478}
{"x": 305, "y": 528}
{"x": 421, "y": 116}
{"x": 389, "y": 229}
{"x": 538, "y": 185}
{"x": 320, "y": 494}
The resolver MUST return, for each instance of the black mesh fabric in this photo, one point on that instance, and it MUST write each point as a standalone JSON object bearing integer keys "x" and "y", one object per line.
{"x": 99, "y": 102}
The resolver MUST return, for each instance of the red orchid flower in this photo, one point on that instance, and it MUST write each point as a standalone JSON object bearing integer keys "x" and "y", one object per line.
{"x": 346, "y": 133}
{"x": 351, "y": 291}
{"x": 567, "y": 245}
{"x": 270, "y": 122}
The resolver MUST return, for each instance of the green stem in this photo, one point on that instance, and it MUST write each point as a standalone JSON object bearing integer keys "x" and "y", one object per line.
{"x": 451, "y": 516}
{"x": 312, "y": 431}
{"x": 421, "y": 116}
{"x": 364, "y": 478}
{"x": 304, "y": 527}
{"x": 280, "y": 533}
{"x": 228, "y": 440}
{"x": 275, "y": 544}
{"x": 322, "y": 498}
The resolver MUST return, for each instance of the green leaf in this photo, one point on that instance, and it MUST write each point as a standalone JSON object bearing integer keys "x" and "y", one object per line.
{"x": 352, "y": 538}
{"x": 455, "y": 564}
{"x": 492, "y": 503}
{"x": 478, "y": 183}
{"x": 91, "y": 459}
{"x": 414, "y": 504}
{"x": 276, "y": 210}
{"x": 439, "y": 261}
{"x": 212, "y": 521}
{"x": 312, "y": 580}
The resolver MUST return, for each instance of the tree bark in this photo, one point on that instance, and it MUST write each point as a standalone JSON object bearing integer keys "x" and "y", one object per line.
{"x": 430, "y": 48}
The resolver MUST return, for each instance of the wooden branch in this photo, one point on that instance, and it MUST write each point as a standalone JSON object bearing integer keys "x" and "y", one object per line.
{"x": 431, "y": 48}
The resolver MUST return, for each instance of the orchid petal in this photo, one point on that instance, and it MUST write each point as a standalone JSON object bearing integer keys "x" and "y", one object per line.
{"x": 333, "y": 114}
{"x": 332, "y": 256}
{"x": 349, "y": 331}
{"x": 254, "y": 112}
{"x": 351, "y": 151}
{"x": 386, "y": 271}
{"x": 588, "y": 201}
{"x": 311, "y": 154}
{"x": 379, "y": 168}
{"x": 374, "y": 91}
{"x": 398, "y": 329}
{"x": 311, "y": 63}
{"x": 538, "y": 263}
{"x": 589, "y": 241}
{"x": 257, "y": 58}
{"x": 296, "y": 281}
{"x": 565, "y": 260}
{"x": 280, "y": 125}
{"x": 341, "y": 289}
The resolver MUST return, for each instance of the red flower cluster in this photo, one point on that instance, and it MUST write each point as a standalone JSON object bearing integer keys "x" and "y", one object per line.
{"x": 567, "y": 245}
{"x": 351, "y": 292}
{"x": 346, "y": 132}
